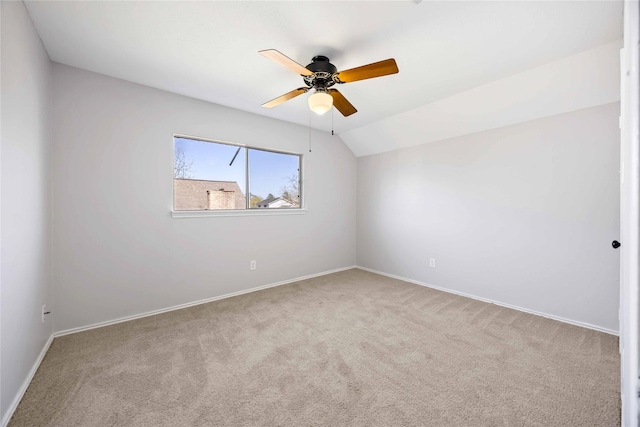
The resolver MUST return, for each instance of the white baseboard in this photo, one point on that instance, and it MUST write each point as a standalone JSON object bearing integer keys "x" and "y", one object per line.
{"x": 190, "y": 304}
{"x": 526, "y": 310}
{"x": 25, "y": 384}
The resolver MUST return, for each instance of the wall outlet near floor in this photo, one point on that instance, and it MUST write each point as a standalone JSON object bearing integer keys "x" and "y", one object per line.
{"x": 252, "y": 265}
{"x": 432, "y": 262}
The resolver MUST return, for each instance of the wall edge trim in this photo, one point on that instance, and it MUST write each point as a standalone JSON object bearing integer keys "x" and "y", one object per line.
{"x": 490, "y": 301}
{"x": 193, "y": 303}
{"x": 27, "y": 381}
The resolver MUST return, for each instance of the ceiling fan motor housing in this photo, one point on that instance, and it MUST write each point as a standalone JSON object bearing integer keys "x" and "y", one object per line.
{"x": 323, "y": 71}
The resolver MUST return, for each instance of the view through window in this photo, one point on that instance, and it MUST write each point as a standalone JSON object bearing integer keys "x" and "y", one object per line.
{"x": 213, "y": 176}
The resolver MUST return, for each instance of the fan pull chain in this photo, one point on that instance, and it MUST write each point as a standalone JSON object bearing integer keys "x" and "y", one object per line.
{"x": 332, "y": 108}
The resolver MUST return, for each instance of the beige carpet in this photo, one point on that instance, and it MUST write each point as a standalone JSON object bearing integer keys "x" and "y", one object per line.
{"x": 351, "y": 348}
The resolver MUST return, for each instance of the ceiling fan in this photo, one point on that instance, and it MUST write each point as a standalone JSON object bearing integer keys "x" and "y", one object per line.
{"x": 320, "y": 75}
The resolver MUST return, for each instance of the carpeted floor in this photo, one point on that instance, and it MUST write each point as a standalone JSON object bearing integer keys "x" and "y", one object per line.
{"x": 351, "y": 348}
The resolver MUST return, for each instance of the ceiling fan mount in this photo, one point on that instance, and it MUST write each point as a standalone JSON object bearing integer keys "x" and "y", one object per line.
{"x": 321, "y": 75}
{"x": 323, "y": 72}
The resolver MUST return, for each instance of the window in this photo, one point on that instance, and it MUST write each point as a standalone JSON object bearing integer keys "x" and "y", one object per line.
{"x": 209, "y": 175}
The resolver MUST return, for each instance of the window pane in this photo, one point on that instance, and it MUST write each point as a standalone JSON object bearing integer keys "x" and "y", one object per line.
{"x": 205, "y": 177}
{"x": 274, "y": 180}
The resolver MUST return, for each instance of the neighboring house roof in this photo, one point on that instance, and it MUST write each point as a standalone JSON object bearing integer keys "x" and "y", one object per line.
{"x": 279, "y": 201}
{"x": 191, "y": 194}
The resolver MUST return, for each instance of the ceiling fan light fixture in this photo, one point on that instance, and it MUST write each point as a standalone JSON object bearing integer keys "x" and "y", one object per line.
{"x": 320, "y": 102}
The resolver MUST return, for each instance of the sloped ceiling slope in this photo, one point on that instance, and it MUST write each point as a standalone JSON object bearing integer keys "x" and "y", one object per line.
{"x": 579, "y": 81}
{"x": 209, "y": 50}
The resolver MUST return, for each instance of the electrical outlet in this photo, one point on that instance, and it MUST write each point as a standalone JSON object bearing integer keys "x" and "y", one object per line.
{"x": 432, "y": 262}
{"x": 252, "y": 265}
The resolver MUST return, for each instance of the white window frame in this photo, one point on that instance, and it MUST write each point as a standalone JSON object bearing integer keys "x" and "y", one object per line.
{"x": 248, "y": 211}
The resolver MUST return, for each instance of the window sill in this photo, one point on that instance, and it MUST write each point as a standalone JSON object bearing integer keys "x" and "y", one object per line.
{"x": 239, "y": 212}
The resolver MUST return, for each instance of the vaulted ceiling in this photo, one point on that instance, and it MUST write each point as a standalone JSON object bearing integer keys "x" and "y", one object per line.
{"x": 209, "y": 50}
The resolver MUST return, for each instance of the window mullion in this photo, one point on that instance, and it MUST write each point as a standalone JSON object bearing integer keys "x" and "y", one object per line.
{"x": 246, "y": 179}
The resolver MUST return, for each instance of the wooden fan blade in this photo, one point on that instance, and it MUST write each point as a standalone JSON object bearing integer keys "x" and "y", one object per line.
{"x": 287, "y": 96}
{"x": 377, "y": 69}
{"x": 341, "y": 103}
{"x": 283, "y": 59}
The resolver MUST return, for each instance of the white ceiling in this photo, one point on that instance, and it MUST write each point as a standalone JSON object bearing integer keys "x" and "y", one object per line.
{"x": 209, "y": 50}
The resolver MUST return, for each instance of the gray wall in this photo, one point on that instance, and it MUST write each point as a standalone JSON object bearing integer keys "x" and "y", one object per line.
{"x": 25, "y": 212}
{"x": 118, "y": 252}
{"x": 522, "y": 215}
